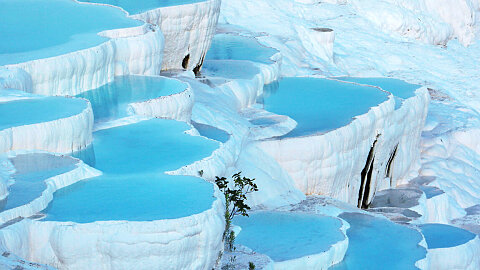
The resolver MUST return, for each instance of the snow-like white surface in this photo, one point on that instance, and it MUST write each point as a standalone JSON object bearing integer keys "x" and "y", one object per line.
{"x": 450, "y": 154}
{"x": 243, "y": 256}
{"x": 15, "y": 79}
{"x": 435, "y": 22}
{"x": 188, "y": 30}
{"x": 176, "y": 106}
{"x": 6, "y": 171}
{"x": 317, "y": 41}
{"x": 11, "y": 261}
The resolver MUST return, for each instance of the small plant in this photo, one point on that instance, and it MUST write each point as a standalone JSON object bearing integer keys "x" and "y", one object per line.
{"x": 251, "y": 266}
{"x": 235, "y": 204}
{"x": 235, "y": 197}
{"x": 230, "y": 241}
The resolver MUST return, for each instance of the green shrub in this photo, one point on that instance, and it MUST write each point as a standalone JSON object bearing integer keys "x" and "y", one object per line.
{"x": 235, "y": 201}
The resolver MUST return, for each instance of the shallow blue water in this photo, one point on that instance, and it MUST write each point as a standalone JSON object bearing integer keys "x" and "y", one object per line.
{"x": 111, "y": 100}
{"x": 233, "y": 47}
{"x": 31, "y": 111}
{"x": 397, "y": 87}
{"x": 430, "y": 191}
{"x": 141, "y": 197}
{"x": 263, "y": 122}
{"x": 229, "y": 69}
{"x": 11, "y": 94}
{"x": 286, "y": 236}
{"x": 445, "y": 236}
{"x": 211, "y": 132}
{"x": 33, "y": 29}
{"x": 31, "y": 172}
{"x": 319, "y": 105}
{"x": 134, "y": 187}
{"x": 136, "y": 6}
{"x": 376, "y": 243}
{"x": 87, "y": 155}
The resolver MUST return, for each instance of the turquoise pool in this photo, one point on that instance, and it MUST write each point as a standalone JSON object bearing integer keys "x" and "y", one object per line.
{"x": 111, "y": 100}
{"x": 319, "y": 105}
{"x": 234, "y": 47}
{"x": 37, "y": 110}
{"x": 31, "y": 172}
{"x": 286, "y": 236}
{"x": 135, "y": 7}
{"x": 134, "y": 185}
{"x": 230, "y": 69}
{"x": 34, "y": 29}
{"x": 377, "y": 243}
{"x": 211, "y": 132}
{"x": 445, "y": 236}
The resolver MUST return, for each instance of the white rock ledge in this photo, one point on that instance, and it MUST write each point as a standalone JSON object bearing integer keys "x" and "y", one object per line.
{"x": 244, "y": 93}
{"x": 279, "y": 126}
{"x": 464, "y": 256}
{"x": 214, "y": 165}
{"x": 188, "y": 31}
{"x": 63, "y": 135}
{"x": 176, "y": 106}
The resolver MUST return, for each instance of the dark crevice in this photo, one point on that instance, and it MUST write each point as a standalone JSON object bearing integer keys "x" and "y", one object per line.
{"x": 366, "y": 192}
{"x": 198, "y": 67}
{"x": 185, "y": 61}
{"x": 366, "y": 176}
{"x": 388, "y": 169}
